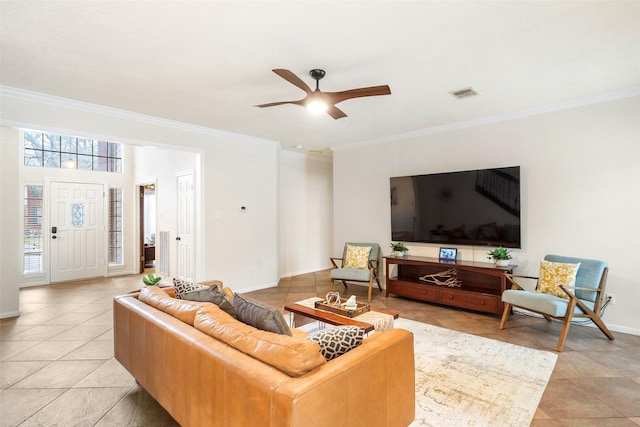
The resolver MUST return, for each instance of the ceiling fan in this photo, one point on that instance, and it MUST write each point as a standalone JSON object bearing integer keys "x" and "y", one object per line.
{"x": 318, "y": 101}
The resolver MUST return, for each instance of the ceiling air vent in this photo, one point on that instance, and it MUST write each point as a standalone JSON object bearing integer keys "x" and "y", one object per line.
{"x": 465, "y": 93}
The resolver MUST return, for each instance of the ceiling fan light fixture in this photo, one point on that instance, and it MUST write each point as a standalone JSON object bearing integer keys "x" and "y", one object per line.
{"x": 317, "y": 107}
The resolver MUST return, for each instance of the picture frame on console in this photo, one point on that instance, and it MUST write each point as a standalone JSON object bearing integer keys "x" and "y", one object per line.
{"x": 448, "y": 254}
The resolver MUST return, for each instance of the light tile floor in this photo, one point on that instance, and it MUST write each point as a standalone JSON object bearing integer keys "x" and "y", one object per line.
{"x": 57, "y": 366}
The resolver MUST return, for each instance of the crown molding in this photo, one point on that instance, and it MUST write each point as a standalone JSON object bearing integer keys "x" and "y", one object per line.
{"x": 26, "y": 95}
{"x": 56, "y": 101}
{"x": 529, "y": 112}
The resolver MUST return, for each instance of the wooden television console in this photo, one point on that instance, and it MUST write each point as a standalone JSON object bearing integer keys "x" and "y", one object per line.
{"x": 481, "y": 288}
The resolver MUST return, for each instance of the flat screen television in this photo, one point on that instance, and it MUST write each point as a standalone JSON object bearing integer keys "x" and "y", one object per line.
{"x": 477, "y": 208}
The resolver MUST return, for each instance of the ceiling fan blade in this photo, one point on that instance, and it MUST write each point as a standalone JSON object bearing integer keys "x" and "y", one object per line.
{"x": 358, "y": 93}
{"x": 273, "y": 104}
{"x": 292, "y": 78}
{"x": 335, "y": 112}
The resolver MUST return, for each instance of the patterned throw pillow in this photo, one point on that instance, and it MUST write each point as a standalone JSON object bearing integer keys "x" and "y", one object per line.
{"x": 181, "y": 287}
{"x": 260, "y": 315}
{"x": 211, "y": 294}
{"x": 337, "y": 341}
{"x": 556, "y": 274}
{"x": 357, "y": 257}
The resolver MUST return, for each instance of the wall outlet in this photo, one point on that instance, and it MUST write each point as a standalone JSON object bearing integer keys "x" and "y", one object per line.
{"x": 612, "y": 299}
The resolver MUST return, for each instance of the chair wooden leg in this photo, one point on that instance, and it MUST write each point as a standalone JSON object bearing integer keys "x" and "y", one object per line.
{"x": 600, "y": 324}
{"x": 331, "y": 285}
{"x": 378, "y": 282}
{"x": 595, "y": 319}
{"x": 566, "y": 323}
{"x": 344, "y": 283}
{"x": 505, "y": 314}
{"x": 370, "y": 288}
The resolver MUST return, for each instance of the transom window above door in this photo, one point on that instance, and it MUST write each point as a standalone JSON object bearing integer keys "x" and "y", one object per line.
{"x": 51, "y": 150}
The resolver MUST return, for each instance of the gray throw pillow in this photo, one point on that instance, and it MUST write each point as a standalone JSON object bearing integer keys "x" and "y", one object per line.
{"x": 211, "y": 294}
{"x": 260, "y": 315}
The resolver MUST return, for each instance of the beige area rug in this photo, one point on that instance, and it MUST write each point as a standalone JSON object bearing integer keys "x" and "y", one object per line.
{"x": 466, "y": 380}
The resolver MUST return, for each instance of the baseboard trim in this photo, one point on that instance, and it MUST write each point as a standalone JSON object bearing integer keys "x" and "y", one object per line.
{"x": 298, "y": 273}
{"x": 9, "y": 314}
{"x": 624, "y": 329}
{"x": 29, "y": 285}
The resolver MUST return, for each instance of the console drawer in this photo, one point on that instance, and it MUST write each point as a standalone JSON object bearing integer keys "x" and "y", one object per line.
{"x": 421, "y": 292}
{"x": 469, "y": 300}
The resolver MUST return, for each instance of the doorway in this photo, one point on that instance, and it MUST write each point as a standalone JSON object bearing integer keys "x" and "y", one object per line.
{"x": 185, "y": 237}
{"x": 77, "y": 231}
{"x": 147, "y": 226}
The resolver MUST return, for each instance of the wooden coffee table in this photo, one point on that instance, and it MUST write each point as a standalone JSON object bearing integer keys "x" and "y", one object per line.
{"x": 331, "y": 318}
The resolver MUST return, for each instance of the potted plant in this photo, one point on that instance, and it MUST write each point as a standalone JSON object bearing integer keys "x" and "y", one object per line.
{"x": 500, "y": 256}
{"x": 399, "y": 249}
{"x": 151, "y": 280}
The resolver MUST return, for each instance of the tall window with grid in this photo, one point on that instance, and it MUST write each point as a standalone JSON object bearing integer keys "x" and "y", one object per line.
{"x": 115, "y": 226}
{"x": 32, "y": 236}
{"x": 61, "y": 151}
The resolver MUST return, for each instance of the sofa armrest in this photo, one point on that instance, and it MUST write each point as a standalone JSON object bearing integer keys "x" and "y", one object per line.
{"x": 218, "y": 283}
{"x": 379, "y": 375}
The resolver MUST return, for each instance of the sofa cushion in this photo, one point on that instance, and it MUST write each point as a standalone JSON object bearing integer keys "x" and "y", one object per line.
{"x": 260, "y": 315}
{"x": 540, "y": 302}
{"x": 211, "y": 294}
{"x": 180, "y": 309}
{"x": 182, "y": 286}
{"x": 292, "y": 355}
{"x": 337, "y": 341}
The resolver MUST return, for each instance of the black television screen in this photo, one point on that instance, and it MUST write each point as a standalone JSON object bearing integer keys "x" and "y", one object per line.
{"x": 478, "y": 208}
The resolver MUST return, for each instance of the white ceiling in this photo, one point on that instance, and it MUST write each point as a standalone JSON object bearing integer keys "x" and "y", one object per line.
{"x": 208, "y": 62}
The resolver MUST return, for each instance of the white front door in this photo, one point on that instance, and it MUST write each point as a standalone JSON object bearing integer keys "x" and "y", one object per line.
{"x": 77, "y": 248}
{"x": 186, "y": 263}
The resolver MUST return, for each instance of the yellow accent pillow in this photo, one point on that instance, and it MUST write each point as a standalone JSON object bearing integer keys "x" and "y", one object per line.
{"x": 555, "y": 274}
{"x": 357, "y": 257}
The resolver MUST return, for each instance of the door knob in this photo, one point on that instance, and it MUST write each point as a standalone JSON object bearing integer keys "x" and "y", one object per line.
{"x": 177, "y": 238}
{"x": 54, "y": 237}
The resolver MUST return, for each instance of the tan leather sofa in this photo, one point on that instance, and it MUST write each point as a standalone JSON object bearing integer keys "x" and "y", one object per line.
{"x": 231, "y": 380}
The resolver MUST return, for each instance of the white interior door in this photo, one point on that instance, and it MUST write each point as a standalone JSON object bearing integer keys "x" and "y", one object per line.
{"x": 186, "y": 263}
{"x": 77, "y": 248}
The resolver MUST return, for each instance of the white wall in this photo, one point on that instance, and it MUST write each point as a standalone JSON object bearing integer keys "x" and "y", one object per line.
{"x": 238, "y": 248}
{"x": 161, "y": 167}
{"x": 306, "y": 213}
{"x": 10, "y": 209}
{"x": 580, "y": 180}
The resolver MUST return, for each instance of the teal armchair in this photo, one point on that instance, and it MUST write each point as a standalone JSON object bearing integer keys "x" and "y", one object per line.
{"x": 584, "y": 300}
{"x": 368, "y": 271}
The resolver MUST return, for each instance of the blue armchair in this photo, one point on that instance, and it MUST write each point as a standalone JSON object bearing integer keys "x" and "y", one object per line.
{"x": 584, "y": 300}
{"x": 351, "y": 269}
